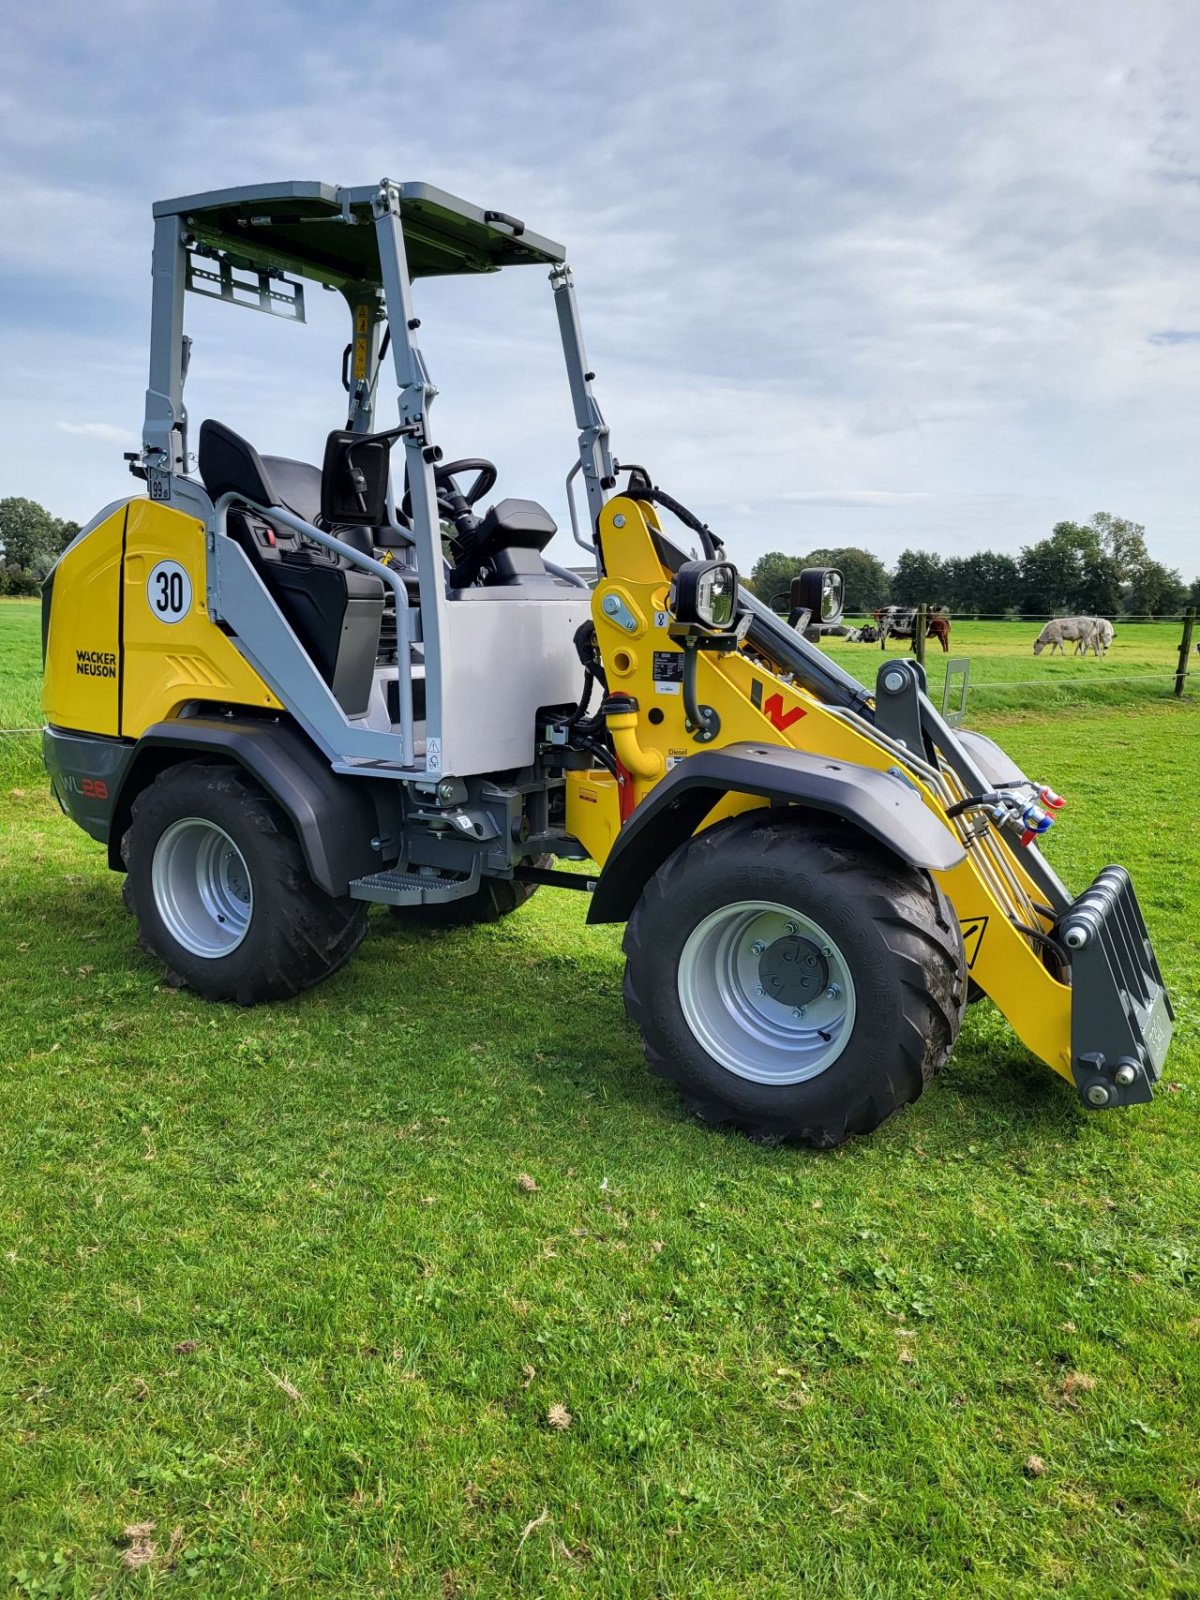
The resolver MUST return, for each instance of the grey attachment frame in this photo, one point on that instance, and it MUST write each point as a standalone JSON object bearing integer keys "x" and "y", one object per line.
{"x": 166, "y": 455}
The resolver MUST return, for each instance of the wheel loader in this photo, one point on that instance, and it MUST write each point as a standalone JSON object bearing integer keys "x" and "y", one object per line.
{"x": 280, "y": 691}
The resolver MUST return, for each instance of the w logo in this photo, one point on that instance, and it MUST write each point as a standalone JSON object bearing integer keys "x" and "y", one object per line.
{"x": 773, "y": 710}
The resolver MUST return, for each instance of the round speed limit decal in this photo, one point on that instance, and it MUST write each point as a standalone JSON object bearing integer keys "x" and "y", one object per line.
{"x": 169, "y": 591}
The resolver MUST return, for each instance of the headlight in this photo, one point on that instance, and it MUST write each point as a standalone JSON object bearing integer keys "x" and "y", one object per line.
{"x": 820, "y": 590}
{"x": 705, "y": 594}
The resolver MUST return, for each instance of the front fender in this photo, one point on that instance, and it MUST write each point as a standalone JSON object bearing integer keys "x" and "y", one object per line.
{"x": 883, "y": 805}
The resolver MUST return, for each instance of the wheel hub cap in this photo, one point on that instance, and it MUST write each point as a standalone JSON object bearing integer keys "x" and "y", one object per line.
{"x": 766, "y": 992}
{"x": 202, "y": 888}
{"x": 793, "y": 971}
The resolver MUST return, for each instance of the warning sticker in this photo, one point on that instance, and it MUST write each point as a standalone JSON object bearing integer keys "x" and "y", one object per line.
{"x": 668, "y": 671}
{"x": 662, "y": 619}
{"x": 973, "y": 930}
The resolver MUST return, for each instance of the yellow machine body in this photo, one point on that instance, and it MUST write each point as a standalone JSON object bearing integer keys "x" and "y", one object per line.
{"x": 113, "y": 665}
{"x": 754, "y": 704}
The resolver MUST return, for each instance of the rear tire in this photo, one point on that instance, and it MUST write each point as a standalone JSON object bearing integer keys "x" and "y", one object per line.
{"x": 864, "y": 950}
{"x": 494, "y": 899}
{"x": 221, "y": 893}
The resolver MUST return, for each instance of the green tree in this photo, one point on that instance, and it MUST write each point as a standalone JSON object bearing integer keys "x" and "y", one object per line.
{"x": 1123, "y": 540}
{"x": 29, "y": 534}
{"x": 918, "y": 576}
{"x": 1193, "y": 594}
{"x": 867, "y": 583}
{"x": 1069, "y": 572}
{"x": 982, "y": 584}
{"x": 771, "y": 576}
{"x": 1155, "y": 590}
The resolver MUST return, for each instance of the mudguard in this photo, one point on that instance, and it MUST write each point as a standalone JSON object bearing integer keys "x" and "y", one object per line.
{"x": 882, "y": 804}
{"x": 335, "y": 817}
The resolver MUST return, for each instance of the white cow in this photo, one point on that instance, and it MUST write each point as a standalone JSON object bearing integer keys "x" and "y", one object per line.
{"x": 1084, "y": 630}
{"x": 1104, "y": 637}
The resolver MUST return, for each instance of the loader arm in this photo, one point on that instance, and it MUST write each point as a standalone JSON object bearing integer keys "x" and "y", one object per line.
{"x": 777, "y": 691}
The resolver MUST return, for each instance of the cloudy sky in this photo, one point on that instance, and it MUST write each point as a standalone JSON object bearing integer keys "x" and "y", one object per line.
{"x": 850, "y": 273}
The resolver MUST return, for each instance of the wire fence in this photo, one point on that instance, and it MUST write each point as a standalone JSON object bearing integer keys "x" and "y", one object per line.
{"x": 1115, "y": 617}
{"x": 1058, "y": 685}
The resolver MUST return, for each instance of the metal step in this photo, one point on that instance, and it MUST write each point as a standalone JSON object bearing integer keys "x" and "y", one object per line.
{"x": 414, "y": 888}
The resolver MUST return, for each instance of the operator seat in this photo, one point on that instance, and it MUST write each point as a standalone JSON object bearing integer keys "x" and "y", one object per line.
{"x": 334, "y": 610}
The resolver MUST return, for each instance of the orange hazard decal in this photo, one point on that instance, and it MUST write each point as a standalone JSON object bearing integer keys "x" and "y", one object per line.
{"x": 773, "y": 709}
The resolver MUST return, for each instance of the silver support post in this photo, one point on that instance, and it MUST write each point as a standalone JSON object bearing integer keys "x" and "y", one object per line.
{"x": 595, "y": 458}
{"x": 416, "y": 394}
{"x": 164, "y": 431}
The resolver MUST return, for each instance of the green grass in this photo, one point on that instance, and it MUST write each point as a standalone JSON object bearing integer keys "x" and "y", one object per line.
{"x": 269, "y": 1280}
{"x": 1138, "y": 669}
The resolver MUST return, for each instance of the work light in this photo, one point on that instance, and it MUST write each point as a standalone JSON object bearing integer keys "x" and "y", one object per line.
{"x": 705, "y": 594}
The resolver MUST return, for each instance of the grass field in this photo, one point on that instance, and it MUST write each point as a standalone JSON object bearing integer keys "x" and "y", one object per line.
{"x": 1007, "y": 676}
{"x": 276, "y": 1282}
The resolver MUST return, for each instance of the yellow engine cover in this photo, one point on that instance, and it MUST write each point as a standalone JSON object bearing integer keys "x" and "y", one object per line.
{"x": 131, "y": 642}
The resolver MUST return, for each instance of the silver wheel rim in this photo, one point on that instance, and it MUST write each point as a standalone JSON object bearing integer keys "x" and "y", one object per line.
{"x": 766, "y": 992}
{"x": 202, "y": 888}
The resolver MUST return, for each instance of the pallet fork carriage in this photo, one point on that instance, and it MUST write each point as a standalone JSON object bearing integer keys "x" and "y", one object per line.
{"x": 279, "y": 692}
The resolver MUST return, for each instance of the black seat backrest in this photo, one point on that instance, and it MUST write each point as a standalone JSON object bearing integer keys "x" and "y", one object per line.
{"x": 298, "y": 485}
{"x": 229, "y": 464}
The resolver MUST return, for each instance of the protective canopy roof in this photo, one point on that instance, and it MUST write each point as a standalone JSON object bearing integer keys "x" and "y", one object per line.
{"x": 320, "y": 231}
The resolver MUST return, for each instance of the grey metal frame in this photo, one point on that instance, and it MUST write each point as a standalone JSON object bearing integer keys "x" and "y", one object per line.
{"x": 235, "y": 595}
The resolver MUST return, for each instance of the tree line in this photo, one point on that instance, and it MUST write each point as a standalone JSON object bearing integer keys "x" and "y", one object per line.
{"x": 32, "y": 539}
{"x": 1097, "y": 568}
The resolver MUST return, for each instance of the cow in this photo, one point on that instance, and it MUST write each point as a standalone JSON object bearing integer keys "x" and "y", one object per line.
{"x": 895, "y": 622}
{"x": 900, "y": 622}
{"x": 939, "y": 629}
{"x": 1083, "y": 630}
{"x": 1104, "y": 637}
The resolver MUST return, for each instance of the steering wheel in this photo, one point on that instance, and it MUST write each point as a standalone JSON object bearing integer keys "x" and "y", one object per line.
{"x": 444, "y": 474}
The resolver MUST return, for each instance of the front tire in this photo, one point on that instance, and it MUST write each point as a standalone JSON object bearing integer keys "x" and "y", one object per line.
{"x": 793, "y": 978}
{"x": 221, "y": 893}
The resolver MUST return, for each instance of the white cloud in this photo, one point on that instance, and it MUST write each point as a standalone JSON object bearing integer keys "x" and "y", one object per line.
{"x": 98, "y": 430}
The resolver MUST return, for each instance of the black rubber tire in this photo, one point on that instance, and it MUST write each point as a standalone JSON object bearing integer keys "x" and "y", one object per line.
{"x": 494, "y": 899}
{"x": 298, "y": 935}
{"x": 892, "y": 923}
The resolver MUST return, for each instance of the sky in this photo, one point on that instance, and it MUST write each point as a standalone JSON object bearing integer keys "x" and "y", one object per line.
{"x": 853, "y": 273}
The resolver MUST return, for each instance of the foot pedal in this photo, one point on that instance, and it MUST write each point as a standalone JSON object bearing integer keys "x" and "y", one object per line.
{"x": 414, "y": 888}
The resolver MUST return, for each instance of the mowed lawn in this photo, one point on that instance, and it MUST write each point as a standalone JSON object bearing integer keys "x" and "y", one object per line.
{"x": 304, "y": 1287}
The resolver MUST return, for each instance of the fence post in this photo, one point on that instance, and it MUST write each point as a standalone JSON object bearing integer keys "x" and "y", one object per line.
{"x": 1185, "y": 650}
{"x": 920, "y": 625}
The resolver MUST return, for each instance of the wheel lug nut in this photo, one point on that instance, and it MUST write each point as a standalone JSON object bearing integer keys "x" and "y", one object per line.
{"x": 790, "y": 927}
{"x": 826, "y": 950}
{"x": 758, "y": 947}
{"x": 832, "y": 992}
{"x": 758, "y": 989}
{"x": 799, "y": 1011}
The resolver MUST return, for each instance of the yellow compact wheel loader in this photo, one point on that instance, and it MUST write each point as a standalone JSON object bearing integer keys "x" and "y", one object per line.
{"x": 278, "y": 691}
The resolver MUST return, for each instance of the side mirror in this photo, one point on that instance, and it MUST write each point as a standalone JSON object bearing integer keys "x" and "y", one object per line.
{"x": 354, "y": 480}
{"x": 820, "y": 590}
{"x": 704, "y": 594}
